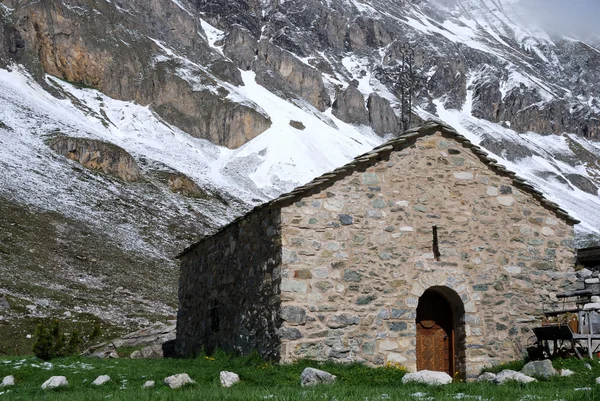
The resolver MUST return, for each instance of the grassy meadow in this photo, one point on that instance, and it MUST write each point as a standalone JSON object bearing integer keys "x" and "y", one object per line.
{"x": 264, "y": 381}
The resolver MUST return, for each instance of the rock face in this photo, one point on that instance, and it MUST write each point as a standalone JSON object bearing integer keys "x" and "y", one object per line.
{"x": 539, "y": 369}
{"x": 349, "y": 106}
{"x": 137, "y": 60}
{"x": 228, "y": 379}
{"x": 511, "y": 375}
{"x": 382, "y": 118}
{"x": 178, "y": 380}
{"x": 55, "y": 382}
{"x": 428, "y": 377}
{"x": 98, "y": 155}
{"x": 277, "y": 69}
{"x": 182, "y": 184}
{"x": 312, "y": 377}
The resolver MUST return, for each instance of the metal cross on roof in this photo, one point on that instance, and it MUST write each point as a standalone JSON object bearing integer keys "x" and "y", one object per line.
{"x": 403, "y": 80}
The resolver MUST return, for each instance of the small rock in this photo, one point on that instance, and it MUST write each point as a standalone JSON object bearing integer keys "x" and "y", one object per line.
{"x": 566, "y": 372}
{"x": 8, "y": 381}
{"x": 511, "y": 375}
{"x": 597, "y": 380}
{"x": 486, "y": 377}
{"x": 42, "y": 302}
{"x": 4, "y": 303}
{"x": 540, "y": 369}
{"x": 108, "y": 353}
{"x": 428, "y": 377}
{"x": 312, "y": 377}
{"x": 588, "y": 366}
{"x": 100, "y": 380}
{"x": 55, "y": 382}
{"x": 28, "y": 336}
{"x": 149, "y": 384}
{"x": 584, "y": 273}
{"x": 178, "y": 380}
{"x": 228, "y": 379}
{"x": 67, "y": 314}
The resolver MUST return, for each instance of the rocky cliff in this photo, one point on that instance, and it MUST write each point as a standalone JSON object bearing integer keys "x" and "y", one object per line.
{"x": 139, "y": 125}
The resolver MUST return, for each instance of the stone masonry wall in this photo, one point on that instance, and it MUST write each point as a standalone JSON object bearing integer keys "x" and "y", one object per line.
{"x": 358, "y": 255}
{"x": 228, "y": 289}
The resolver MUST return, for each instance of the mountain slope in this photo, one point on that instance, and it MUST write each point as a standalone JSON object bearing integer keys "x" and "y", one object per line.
{"x": 129, "y": 129}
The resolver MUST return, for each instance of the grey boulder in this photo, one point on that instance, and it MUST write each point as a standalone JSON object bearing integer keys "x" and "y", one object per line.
{"x": 151, "y": 351}
{"x": 55, "y": 382}
{"x": 8, "y": 381}
{"x": 540, "y": 369}
{"x": 100, "y": 380}
{"x": 511, "y": 375}
{"x": 228, "y": 379}
{"x": 486, "y": 377}
{"x": 178, "y": 380}
{"x": 312, "y": 377}
{"x": 428, "y": 377}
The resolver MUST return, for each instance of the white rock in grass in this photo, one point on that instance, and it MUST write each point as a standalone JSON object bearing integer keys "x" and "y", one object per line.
{"x": 511, "y": 375}
{"x": 486, "y": 377}
{"x": 428, "y": 377}
{"x": 566, "y": 372}
{"x": 100, "y": 380}
{"x": 55, "y": 382}
{"x": 312, "y": 377}
{"x": 178, "y": 380}
{"x": 228, "y": 379}
{"x": 8, "y": 381}
{"x": 149, "y": 384}
{"x": 597, "y": 380}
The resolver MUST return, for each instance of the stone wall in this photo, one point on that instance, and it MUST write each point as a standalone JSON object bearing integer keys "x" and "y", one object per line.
{"x": 358, "y": 255}
{"x": 228, "y": 289}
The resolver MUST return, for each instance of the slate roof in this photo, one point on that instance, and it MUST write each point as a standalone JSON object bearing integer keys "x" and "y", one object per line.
{"x": 381, "y": 152}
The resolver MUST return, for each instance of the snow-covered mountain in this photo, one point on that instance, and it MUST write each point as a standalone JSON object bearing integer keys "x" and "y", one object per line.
{"x": 130, "y": 128}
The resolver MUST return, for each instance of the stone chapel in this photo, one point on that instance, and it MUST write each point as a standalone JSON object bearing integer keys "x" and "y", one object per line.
{"x": 423, "y": 252}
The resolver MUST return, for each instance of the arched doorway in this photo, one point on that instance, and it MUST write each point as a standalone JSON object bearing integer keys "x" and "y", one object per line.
{"x": 440, "y": 331}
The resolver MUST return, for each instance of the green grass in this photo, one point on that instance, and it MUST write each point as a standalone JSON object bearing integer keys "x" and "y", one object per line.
{"x": 264, "y": 381}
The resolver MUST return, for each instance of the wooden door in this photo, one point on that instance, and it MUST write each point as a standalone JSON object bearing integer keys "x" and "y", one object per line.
{"x": 435, "y": 334}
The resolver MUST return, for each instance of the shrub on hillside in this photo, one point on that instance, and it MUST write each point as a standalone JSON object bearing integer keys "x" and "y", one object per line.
{"x": 52, "y": 342}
